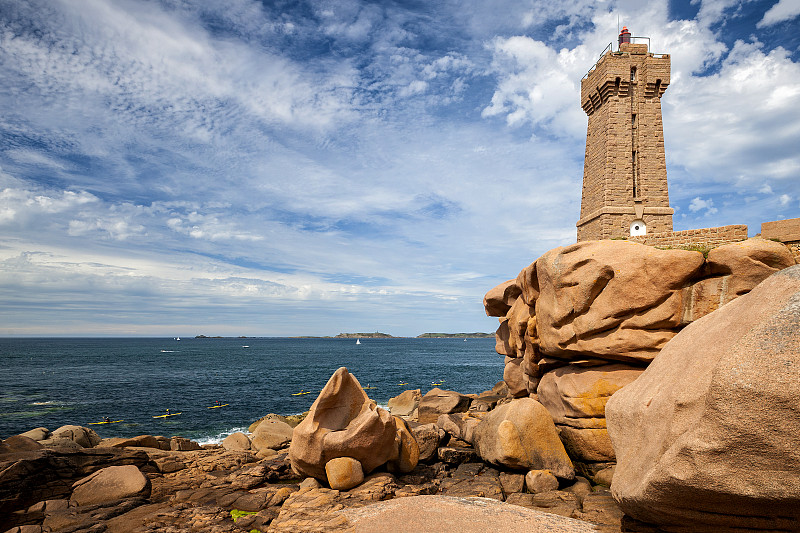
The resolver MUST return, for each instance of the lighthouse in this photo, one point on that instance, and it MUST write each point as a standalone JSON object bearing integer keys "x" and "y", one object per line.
{"x": 625, "y": 173}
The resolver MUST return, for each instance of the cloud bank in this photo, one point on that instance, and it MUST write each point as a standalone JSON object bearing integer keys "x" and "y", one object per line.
{"x": 177, "y": 168}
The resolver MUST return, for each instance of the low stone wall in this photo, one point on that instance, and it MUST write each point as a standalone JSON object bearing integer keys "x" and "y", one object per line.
{"x": 785, "y": 231}
{"x": 705, "y": 237}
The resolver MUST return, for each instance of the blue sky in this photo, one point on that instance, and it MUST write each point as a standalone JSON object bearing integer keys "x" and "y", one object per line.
{"x": 184, "y": 167}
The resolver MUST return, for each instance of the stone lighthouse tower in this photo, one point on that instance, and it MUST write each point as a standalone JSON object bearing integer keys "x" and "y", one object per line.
{"x": 625, "y": 173}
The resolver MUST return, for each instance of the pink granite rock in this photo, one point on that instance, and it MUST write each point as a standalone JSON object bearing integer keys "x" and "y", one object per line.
{"x": 708, "y": 437}
{"x": 110, "y": 484}
{"x": 342, "y": 422}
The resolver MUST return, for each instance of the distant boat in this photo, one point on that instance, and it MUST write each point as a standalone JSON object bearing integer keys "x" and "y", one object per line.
{"x": 105, "y": 422}
{"x": 358, "y": 341}
{"x": 177, "y": 338}
{"x": 166, "y": 415}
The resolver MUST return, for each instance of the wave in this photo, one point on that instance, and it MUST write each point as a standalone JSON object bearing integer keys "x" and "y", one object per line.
{"x": 219, "y": 437}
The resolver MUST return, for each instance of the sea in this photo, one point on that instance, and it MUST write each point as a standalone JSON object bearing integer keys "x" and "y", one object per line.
{"x": 51, "y": 382}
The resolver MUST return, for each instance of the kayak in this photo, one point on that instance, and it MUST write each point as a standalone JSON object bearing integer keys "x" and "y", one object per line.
{"x": 165, "y": 416}
{"x": 109, "y": 422}
{"x": 218, "y": 406}
{"x": 403, "y": 383}
{"x": 368, "y": 387}
{"x": 301, "y": 393}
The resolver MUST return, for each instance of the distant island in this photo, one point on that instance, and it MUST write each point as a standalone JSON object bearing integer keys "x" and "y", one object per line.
{"x": 221, "y": 337}
{"x": 376, "y": 335}
{"x": 476, "y": 335}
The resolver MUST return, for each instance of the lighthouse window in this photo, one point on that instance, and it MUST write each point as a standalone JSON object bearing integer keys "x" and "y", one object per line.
{"x": 633, "y": 73}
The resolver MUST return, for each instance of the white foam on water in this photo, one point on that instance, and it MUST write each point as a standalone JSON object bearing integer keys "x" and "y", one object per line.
{"x": 218, "y": 438}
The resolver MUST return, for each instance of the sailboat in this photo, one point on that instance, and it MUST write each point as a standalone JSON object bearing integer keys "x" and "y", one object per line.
{"x": 358, "y": 341}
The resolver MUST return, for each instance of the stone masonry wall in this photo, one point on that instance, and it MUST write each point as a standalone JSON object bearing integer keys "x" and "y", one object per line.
{"x": 785, "y": 231}
{"x": 706, "y": 237}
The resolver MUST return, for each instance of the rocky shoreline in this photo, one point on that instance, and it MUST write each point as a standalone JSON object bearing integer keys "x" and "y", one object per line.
{"x": 70, "y": 480}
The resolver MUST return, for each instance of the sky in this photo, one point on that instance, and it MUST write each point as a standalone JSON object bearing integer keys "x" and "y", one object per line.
{"x": 281, "y": 168}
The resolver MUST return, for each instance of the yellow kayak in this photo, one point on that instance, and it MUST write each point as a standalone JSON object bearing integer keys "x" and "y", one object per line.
{"x": 218, "y": 406}
{"x": 301, "y": 393}
{"x": 108, "y": 422}
{"x": 165, "y": 416}
{"x": 403, "y": 383}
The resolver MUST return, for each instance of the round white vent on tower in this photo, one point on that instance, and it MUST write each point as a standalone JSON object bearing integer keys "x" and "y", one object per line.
{"x": 638, "y": 227}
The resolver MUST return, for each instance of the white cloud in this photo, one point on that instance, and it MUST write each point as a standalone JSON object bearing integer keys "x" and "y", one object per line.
{"x": 146, "y": 64}
{"x": 780, "y": 12}
{"x": 415, "y": 87}
{"x": 738, "y": 125}
{"x": 28, "y": 204}
{"x": 766, "y": 189}
{"x": 698, "y": 204}
{"x": 536, "y": 85}
{"x": 210, "y": 227}
{"x": 785, "y": 199}
{"x": 711, "y": 11}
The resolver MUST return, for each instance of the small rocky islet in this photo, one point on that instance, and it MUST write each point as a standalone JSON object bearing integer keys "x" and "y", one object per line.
{"x": 644, "y": 390}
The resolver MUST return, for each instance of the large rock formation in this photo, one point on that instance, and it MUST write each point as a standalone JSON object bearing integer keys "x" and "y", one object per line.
{"x": 612, "y": 300}
{"x": 709, "y": 437}
{"x": 405, "y": 404}
{"x": 603, "y": 303}
{"x": 733, "y": 270}
{"x": 521, "y": 435}
{"x": 85, "y": 437}
{"x": 438, "y": 402}
{"x": 110, "y": 484}
{"x": 272, "y": 433}
{"x": 343, "y": 422}
{"x": 576, "y": 398}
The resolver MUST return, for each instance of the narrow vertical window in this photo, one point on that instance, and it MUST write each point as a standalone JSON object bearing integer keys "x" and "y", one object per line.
{"x": 633, "y": 120}
{"x": 633, "y": 165}
{"x": 633, "y": 73}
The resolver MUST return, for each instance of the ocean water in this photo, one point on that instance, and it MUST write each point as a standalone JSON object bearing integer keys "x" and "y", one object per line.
{"x": 50, "y": 382}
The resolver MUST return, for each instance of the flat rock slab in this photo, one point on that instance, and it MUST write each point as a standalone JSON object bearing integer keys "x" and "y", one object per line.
{"x": 462, "y": 515}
